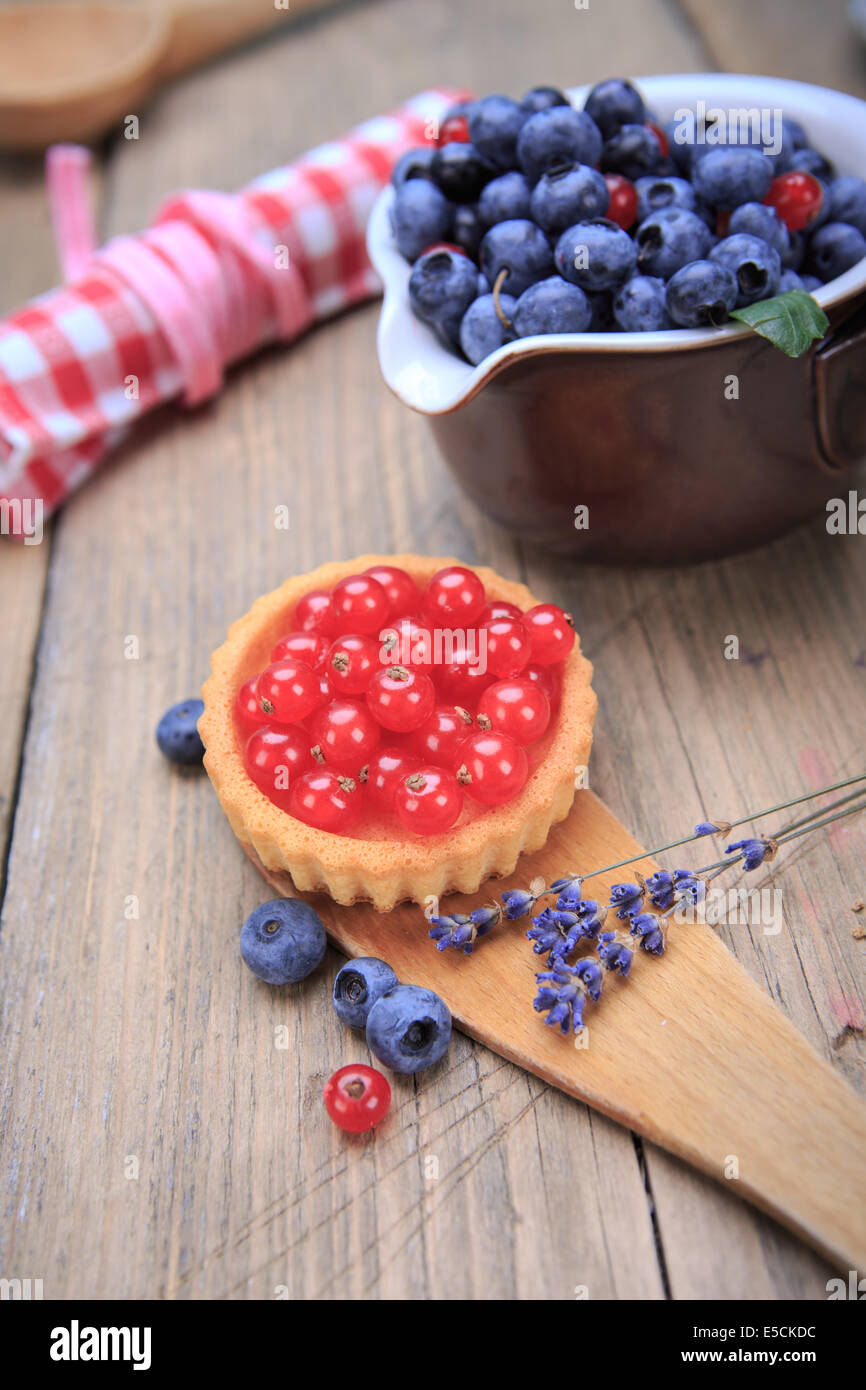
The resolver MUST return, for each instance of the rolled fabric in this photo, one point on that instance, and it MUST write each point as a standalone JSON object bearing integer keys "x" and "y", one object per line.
{"x": 161, "y": 314}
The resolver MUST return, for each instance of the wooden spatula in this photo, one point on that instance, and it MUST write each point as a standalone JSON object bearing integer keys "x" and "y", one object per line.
{"x": 688, "y": 1051}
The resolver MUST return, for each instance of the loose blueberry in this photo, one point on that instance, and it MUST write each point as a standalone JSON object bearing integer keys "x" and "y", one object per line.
{"x": 811, "y": 283}
{"x": 504, "y": 198}
{"x": 414, "y": 164}
{"x": 559, "y": 135}
{"x": 566, "y": 194}
{"x": 597, "y": 255}
{"x": 460, "y": 171}
{"x": 727, "y": 178}
{"x": 639, "y": 305}
{"x": 495, "y": 122}
{"x": 468, "y": 228}
{"x": 669, "y": 239}
{"x": 653, "y": 194}
{"x": 790, "y": 280}
{"x": 442, "y": 285}
{"x": 482, "y": 330}
{"x": 613, "y": 104}
{"x": 847, "y": 201}
{"x": 756, "y": 265}
{"x": 758, "y": 219}
{"x": 177, "y": 732}
{"x": 283, "y": 941}
{"x": 701, "y": 293}
{"x": 542, "y": 98}
{"x": 634, "y": 152}
{"x": 420, "y": 216}
{"x": 834, "y": 249}
{"x": 357, "y": 987}
{"x": 519, "y": 247}
{"x": 409, "y": 1029}
{"x": 552, "y": 306}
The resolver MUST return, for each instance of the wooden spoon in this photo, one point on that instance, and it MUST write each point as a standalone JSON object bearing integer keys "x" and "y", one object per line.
{"x": 688, "y": 1051}
{"x": 71, "y": 71}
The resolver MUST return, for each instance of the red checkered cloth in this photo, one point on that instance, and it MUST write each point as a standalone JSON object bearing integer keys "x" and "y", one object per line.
{"x": 161, "y": 314}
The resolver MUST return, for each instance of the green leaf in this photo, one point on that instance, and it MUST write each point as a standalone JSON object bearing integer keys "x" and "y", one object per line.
{"x": 791, "y": 321}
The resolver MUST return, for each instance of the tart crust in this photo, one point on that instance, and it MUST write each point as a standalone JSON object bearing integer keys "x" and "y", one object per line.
{"x": 385, "y": 870}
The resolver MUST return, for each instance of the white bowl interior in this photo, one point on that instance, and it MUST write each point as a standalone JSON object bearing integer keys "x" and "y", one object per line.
{"x": 430, "y": 378}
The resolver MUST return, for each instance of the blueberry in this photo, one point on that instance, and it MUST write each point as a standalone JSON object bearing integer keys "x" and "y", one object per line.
{"x": 468, "y": 228}
{"x": 833, "y": 249}
{"x": 634, "y": 151}
{"x": 669, "y": 239}
{"x": 811, "y": 283}
{"x": 601, "y": 304}
{"x": 847, "y": 201}
{"x": 794, "y": 133}
{"x": 639, "y": 305}
{"x": 409, "y": 1028}
{"x": 727, "y": 178}
{"x": 559, "y": 135}
{"x": 414, "y": 164}
{"x": 653, "y": 194}
{"x": 482, "y": 330}
{"x": 552, "y": 306}
{"x": 758, "y": 219}
{"x": 460, "y": 171}
{"x": 812, "y": 163}
{"x": 756, "y": 265}
{"x": 597, "y": 255}
{"x": 566, "y": 194}
{"x": 177, "y": 733}
{"x": 793, "y": 258}
{"x": 701, "y": 293}
{"x": 521, "y": 248}
{"x": 421, "y": 215}
{"x": 541, "y": 98}
{"x": 357, "y": 987}
{"x": 681, "y": 146}
{"x": 613, "y": 104}
{"x": 789, "y": 280}
{"x": 283, "y": 941}
{"x": 442, "y": 285}
{"x": 504, "y": 198}
{"x": 494, "y": 125}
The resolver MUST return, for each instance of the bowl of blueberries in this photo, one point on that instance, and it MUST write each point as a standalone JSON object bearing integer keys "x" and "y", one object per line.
{"x": 635, "y": 313}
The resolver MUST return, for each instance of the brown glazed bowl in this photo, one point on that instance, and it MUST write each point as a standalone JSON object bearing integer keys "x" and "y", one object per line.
{"x": 673, "y": 460}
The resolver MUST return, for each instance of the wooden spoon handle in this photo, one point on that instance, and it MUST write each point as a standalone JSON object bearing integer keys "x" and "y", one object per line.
{"x": 202, "y": 29}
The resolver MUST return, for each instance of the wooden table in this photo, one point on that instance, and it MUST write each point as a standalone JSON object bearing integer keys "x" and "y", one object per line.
{"x": 156, "y": 1142}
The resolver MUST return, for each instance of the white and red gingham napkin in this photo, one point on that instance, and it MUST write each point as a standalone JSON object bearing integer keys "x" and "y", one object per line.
{"x": 162, "y": 313}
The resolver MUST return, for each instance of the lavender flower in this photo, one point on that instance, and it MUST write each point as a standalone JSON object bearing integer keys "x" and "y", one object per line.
{"x": 615, "y": 954}
{"x": 652, "y": 939}
{"x": 590, "y": 973}
{"x": 458, "y": 931}
{"x": 626, "y": 897}
{"x": 546, "y": 935}
{"x": 688, "y": 887}
{"x": 569, "y": 893}
{"x": 561, "y": 996}
{"x": 660, "y": 887}
{"x": 517, "y": 903}
{"x": 753, "y": 852}
{"x": 485, "y": 918}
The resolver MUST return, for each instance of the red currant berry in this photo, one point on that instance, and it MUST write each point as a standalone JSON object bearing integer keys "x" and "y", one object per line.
{"x": 517, "y": 707}
{"x": 311, "y": 647}
{"x": 661, "y": 136}
{"x": 325, "y": 800}
{"x": 508, "y": 646}
{"x": 454, "y": 596}
{"x": 359, "y": 604}
{"x": 357, "y": 1098}
{"x": 404, "y": 596}
{"x": 312, "y": 611}
{"x": 248, "y": 711}
{"x": 288, "y": 691}
{"x": 428, "y": 801}
{"x": 409, "y": 642}
{"x": 797, "y": 197}
{"x": 552, "y": 633}
{"x": 353, "y": 661}
{"x": 498, "y": 608}
{"x": 388, "y": 768}
{"x": 454, "y": 130}
{"x": 547, "y": 679}
{"x": 400, "y": 699}
{"x": 461, "y": 680}
{"x": 494, "y": 769}
{"x": 274, "y": 758}
{"x": 440, "y": 737}
{"x": 344, "y": 734}
{"x": 622, "y": 208}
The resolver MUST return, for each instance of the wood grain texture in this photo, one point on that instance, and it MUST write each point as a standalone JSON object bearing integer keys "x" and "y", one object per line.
{"x": 144, "y": 1037}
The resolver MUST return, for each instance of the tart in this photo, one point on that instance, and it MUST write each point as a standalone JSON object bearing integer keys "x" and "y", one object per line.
{"x": 372, "y": 853}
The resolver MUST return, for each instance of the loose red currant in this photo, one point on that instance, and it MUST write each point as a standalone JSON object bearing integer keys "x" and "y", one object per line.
{"x": 498, "y": 608}
{"x": 428, "y": 801}
{"x": 797, "y": 197}
{"x": 440, "y": 737}
{"x": 312, "y": 611}
{"x": 288, "y": 691}
{"x": 661, "y": 136}
{"x": 454, "y": 130}
{"x": 494, "y": 769}
{"x": 388, "y": 768}
{"x": 547, "y": 679}
{"x": 508, "y": 646}
{"x": 622, "y": 208}
{"x": 353, "y": 661}
{"x": 357, "y": 1098}
{"x": 409, "y": 642}
{"x": 359, "y": 604}
{"x": 552, "y": 633}
{"x": 455, "y": 596}
{"x": 344, "y": 734}
{"x": 400, "y": 699}
{"x": 461, "y": 679}
{"x": 275, "y": 757}
{"x": 325, "y": 800}
{"x": 516, "y": 707}
{"x": 311, "y": 647}
{"x": 404, "y": 596}
{"x": 248, "y": 711}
